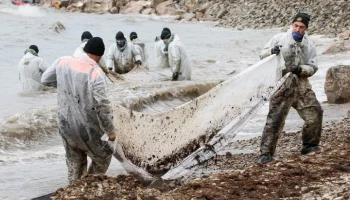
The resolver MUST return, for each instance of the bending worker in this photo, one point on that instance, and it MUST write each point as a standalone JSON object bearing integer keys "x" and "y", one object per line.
{"x": 122, "y": 56}
{"x": 85, "y": 114}
{"x": 30, "y": 68}
{"x": 300, "y": 59}
{"x": 141, "y": 47}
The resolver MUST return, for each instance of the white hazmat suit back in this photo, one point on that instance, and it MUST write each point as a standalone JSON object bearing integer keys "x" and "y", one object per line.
{"x": 84, "y": 114}
{"x": 30, "y": 70}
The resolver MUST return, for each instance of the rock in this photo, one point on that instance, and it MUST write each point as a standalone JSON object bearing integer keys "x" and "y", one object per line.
{"x": 96, "y": 6}
{"x": 240, "y": 27}
{"x": 337, "y": 84}
{"x": 221, "y": 13}
{"x": 212, "y": 11}
{"x": 113, "y": 10}
{"x": 204, "y": 7}
{"x": 190, "y": 6}
{"x": 180, "y": 12}
{"x": 136, "y": 6}
{"x": 342, "y": 45}
{"x": 165, "y": 8}
{"x": 188, "y": 16}
{"x": 58, "y": 27}
{"x": 155, "y": 3}
{"x": 199, "y": 15}
{"x": 344, "y": 35}
{"x": 147, "y": 11}
{"x": 194, "y": 20}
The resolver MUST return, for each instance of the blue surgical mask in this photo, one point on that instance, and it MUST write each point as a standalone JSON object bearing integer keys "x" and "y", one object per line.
{"x": 120, "y": 43}
{"x": 297, "y": 36}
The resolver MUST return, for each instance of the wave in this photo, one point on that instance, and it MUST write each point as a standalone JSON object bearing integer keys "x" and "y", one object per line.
{"x": 159, "y": 97}
{"x": 168, "y": 99}
{"x": 25, "y": 10}
{"x": 23, "y": 131}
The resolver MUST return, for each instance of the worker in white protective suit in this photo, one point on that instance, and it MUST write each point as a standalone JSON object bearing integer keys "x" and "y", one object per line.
{"x": 85, "y": 114}
{"x": 162, "y": 60}
{"x": 84, "y": 39}
{"x": 178, "y": 60}
{"x": 300, "y": 59}
{"x": 85, "y": 36}
{"x": 30, "y": 68}
{"x": 122, "y": 56}
{"x": 141, "y": 47}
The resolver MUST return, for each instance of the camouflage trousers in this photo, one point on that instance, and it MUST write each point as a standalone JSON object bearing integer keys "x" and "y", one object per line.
{"x": 76, "y": 160}
{"x": 297, "y": 93}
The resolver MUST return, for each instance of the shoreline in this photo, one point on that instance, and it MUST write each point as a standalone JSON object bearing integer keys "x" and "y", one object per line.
{"x": 290, "y": 176}
{"x": 227, "y": 14}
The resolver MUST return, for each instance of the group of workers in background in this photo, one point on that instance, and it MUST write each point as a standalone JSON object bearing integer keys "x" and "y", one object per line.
{"x": 84, "y": 112}
{"x": 122, "y": 57}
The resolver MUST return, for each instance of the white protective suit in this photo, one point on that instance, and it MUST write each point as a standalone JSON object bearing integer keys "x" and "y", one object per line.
{"x": 296, "y": 92}
{"x": 80, "y": 51}
{"x": 141, "y": 47}
{"x": 178, "y": 59}
{"x": 122, "y": 60}
{"x": 162, "y": 60}
{"x": 84, "y": 113}
{"x": 30, "y": 69}
{"x": 306, "y": 58}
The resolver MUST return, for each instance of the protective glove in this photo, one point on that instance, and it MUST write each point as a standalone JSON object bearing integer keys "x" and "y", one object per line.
{"x": 138, "y": 62}
{"x": 276, "y": 50}
{"x": 296, "y": 70}
{"x": 175, "y": 76}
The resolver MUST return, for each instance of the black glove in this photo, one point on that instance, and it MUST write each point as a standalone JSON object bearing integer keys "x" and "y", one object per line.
{"x": 138, "y": 62}
{"x": 296, "y": 70}
{"x": 175, "y": 76}
{"x": 276, "y": 50}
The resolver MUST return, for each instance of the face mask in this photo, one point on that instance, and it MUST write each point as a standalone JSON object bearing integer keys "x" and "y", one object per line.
{"x": 297, "y": 36}
{"x": 120, "y": 43}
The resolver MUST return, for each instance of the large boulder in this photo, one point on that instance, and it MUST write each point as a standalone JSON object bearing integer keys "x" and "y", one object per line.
{"x": 93, "y": 6}
{"x": 155, "y": 3}
{"x": 337, "y": 84}
{"x": 342, "y": 45}
{"x": 136, "y": 6}
{"x": 166, "y": 8}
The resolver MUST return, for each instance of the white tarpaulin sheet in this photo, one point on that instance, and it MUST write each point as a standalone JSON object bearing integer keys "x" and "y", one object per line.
{"x": 159, "y": 141}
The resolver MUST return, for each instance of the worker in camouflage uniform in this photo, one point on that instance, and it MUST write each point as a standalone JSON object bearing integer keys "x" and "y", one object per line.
{"x": 300, "y": 59}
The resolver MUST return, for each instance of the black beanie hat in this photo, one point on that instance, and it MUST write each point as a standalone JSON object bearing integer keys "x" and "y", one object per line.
{"x": 95, "y": 46}
{"x": 120, "y": 36}
{"x": 133, "y": 35}
{"x": 166, "y": 33}
{"x": 34, "y": 47}
{"x": 302, "y": 17}
{"x": 86, "y": 35}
